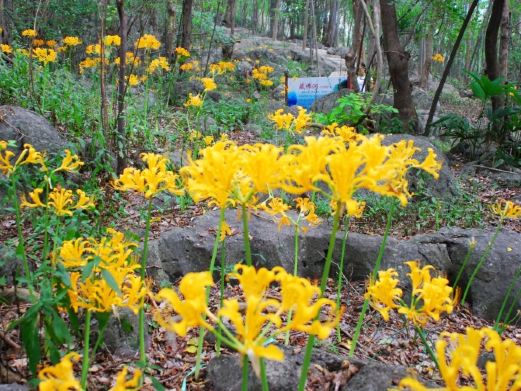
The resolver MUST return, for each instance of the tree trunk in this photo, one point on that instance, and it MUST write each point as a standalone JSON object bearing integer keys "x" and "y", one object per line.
{"x": 120, "y": 136}
{"x": 229, "y": 15}
{"x": 332, "y": 25}
{"x": 446, "y": 71}
{"x": 426, "y": 67}
{"x": 398, "y": 61}
{"x": 185, "y": 39}
{"x": 170, "y": 29}
{"x": 504, "y": 42}
{"x": 255, "y": 16}
{"x": 306, "y": 25}
{"x": 4, "y": 33}
{"x": 275, "y": 14}
{"x": 491, "y": 52}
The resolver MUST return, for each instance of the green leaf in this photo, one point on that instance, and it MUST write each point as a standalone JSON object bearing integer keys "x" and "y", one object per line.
{"x": 61, "y": 330}
{"x": 478, "y": 91}
{"x": 157, "y": 385}
{"x": 31, "y": 342}
{"x": 109, "y": 278}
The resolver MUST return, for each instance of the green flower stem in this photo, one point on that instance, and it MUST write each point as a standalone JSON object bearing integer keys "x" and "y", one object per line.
{"x": 244, "y": 385}
{"x": 295, "y": 272}
{"x": 482, "y": 259}
{"x": 430, "y": 351}
{"x": 507, "y": 296}
{"x": 246, "y": 234}
{"x": 470, "y": 251}
{"x": 264, "y": 378}
{"x": 200, "y": 340}
{"x": 340, "y": 273}
{"x": 86, "y": 341}
{"x": 144, "y": 258}
{"x": 365, "y": 307}
{"x": 221, "y": 292}
{"x": 513, "y": 305}
{"x": 21, "y": 241}
{"x": 325, "y": 275}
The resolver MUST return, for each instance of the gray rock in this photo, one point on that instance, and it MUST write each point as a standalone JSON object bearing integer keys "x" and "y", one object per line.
{"x": 121, "y": 334}
{"x": 422, "y": 99}
{"x": 10, "y": 265}
{"x": 13, "y": 387}
{"x": 187, "y": 249}
{"x": 375, "y": 376}
{"x": 25, "y": 126}
{"x": 328, "y": 102}
{"x": 185, "y": 87}
{"x": 446, "y": 185}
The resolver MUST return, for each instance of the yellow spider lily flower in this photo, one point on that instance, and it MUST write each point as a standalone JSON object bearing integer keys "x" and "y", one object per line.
{"x": 191, "y": 308}
{"x": 158, "y": 63}
{"x": 383, "y": 293}
{"x": 72, "y": 253}
{"x": 193, "y": 101}
{"x": 35, "y": 197}
{"x": 112, "y": 40}
{"x": 70, "y": 162}
{"x": 124, "y": 384}
{"x": 148, "y": 42}
{"x": 182, "y": 52}
{"x": 282, "y": 121}
{"x": 29, "y": 33}
{"x": 208, "y": 83}
{"x": 507, "y": 209}
{"x": 71, "y": 41}
{"x": 302, "y": 120}
{"x": 60, "y": 376}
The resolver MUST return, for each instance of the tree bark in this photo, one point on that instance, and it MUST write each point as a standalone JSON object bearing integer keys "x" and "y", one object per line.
{"x": 4, "y": 33}
{"x": 332, "y": 25}
{"x": 170, "y": 29}
{"x": 446, "y": 71}
{"x": 185, "y": 39}
{"x": 504, "y": 42}
{"x": 120, "y": 141}
{"x": 306, "y": 25}
{"x": 426, "y": 66}
{"x": 255, "y": 16}
{"x": 275, "y": 14}
{"x": 229, "y": 15}
{"x": 491, "y": 50}
{"x": 398, "y": 61}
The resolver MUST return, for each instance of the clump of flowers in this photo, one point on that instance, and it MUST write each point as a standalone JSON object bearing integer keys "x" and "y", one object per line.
{"x": 347, "y": 133}
{"x": 438, "y": 57}
{"x": 262, "y": 74}
{"x": 148, "y": 42}
{"x": 29, "y": 155}
{"x": 222, "y": 67}
{"x": 61, "y": 201}
{"x": 462, "y": 369}
{"x": 257, "y": 319}
{"x": 45, "y": 55}
{"x": 71, "y": 41}
{"x": 430, "y": 297}
{"x": 29, "y": 33}
{"x": 208, "y": 84}
{"x": 5, "y": 48}
{"x": 507, "y": 209}
{"x": 194, "y": 101}
{"x": 182, "y": 52}
{"x": 38, "y": 42}
{"x": 60, "y": 376}
{"x": 288, "y": 122}
{"x": 306, "y": 212}
{"x": 112, "y": 40}
{"x": 158, "y": 63}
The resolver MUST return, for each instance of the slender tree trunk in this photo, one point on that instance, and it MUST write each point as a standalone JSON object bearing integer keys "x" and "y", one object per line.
{"x": 398, "y": 61}
{"x": 446, "y": 71}
{"x": 185, "y": 39}
{"x": 170, "y": 29}
{"x": 120, "y": 141}
{"x": 255, "y": 17}
{"x": 377, "y": 33}
{"x": 491, "y": 49}
{"x": 314, "y": 31}
{"x": 229, "y": 15}
{"x": 426, "y": 67}
{"x": 4, "y": 33}
{"x": 306, "y": 25}
{"x": 275, "y": 16}
{"x": 332, "y": 25}
{"x": 504, "y": 42}
{"x": 103, "y": 90}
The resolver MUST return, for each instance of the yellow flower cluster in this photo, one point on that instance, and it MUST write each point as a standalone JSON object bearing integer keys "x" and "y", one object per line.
{"x": 276, "y": 207}
{"x": 4, "y": 48}
{"x": 430, "y": 296}
{"x": 438, "y": 57}
{"x": 61, "y": 377}
{"x": 222, "y": 67}
{"x": 61, "y": 201}
{"x": 71, "y": 41}
{"x": 93, "y": 49}
{"x": 152, "y": 180}
{"x": 130, "y": 58}
{"x": 227, "y": 174}
{"x": 51, "y": 43}
{"x": 347, "y": 133}
{"x": 148, "y": 42}
{"x": 38, "y": 42}
{"x": 45, "y": 55}
{"x": 29, "y": 155}
{"x": 287, "y": 121}
{"x": 112, "y": 40}
{"x": 193, "y": 101}
{"x": 251, "y": 319}
{"x": 261, "y": 74}
{"x": 158, "y": 63}
{"x": 208, "y": 84}
{"x": 503, "y": 372}
{"x": 507, "y": 209}
{"x": 112, "y": 282}
{"x": 29, "y": 33}
{"x": 182, "y": 52}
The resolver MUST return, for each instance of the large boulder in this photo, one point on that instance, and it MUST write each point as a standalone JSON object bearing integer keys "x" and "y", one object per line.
{"x": 375, "y": 376}
{"x": 186, "y": 249}
{"x": 446, "y": 185}
{"x": 328, "y": 102}
{"x": 26, "y": 127}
